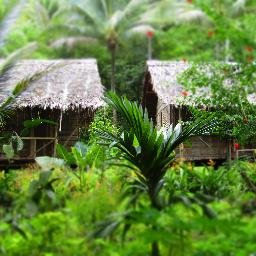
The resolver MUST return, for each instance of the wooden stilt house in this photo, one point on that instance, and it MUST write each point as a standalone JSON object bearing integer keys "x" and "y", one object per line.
{"x": 67, "y": 95}
{"x": 164, "y": 99}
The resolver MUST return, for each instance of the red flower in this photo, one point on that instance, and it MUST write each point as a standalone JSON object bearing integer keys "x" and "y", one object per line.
{"x": 248, "y": 48}
{"x": 190, "y": 1}
{"x": 150, "y": 34}
{"x": 184, "y": 93}
{"x": 236, "y": 146}
{"x": 210, "y": 33}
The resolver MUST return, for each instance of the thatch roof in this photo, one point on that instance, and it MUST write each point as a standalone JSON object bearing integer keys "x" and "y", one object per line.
{"x": 69, "y": 84}
{"x": 164, "y": 79}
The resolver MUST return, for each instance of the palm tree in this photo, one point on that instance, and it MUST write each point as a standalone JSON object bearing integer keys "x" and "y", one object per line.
{"x": 110, "y": 21}
{"x": 107, "y": 22}
{"x": 149, "y": 152}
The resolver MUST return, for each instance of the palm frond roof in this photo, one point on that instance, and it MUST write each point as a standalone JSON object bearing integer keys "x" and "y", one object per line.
{"x": 164, "y": 79}
{"x": 68, "y": 84}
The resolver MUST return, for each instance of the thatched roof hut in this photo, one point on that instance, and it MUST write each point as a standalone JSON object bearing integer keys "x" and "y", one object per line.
{"x": 166, "y": 104}
{"x": 68, "y": 93}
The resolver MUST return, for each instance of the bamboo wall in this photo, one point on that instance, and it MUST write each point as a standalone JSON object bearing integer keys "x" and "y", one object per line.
{"x": 72, "y": 122}
{"x": 42, "y": 140}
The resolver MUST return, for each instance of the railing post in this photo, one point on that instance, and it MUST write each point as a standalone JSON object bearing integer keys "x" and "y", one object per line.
{"x": 32, "y": 144}
{"x": 55, "y": 142}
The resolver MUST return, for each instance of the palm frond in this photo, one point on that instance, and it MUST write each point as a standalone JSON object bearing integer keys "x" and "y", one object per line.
{"x": 9, "y": 20}
{"x": 105, "y": 8}
{"x": 12, "y": 59}
{"x": 71, "y": 42}
{"x": 5, "y": 74}
{"x": 166, "y": 13}
{"x": 6, "y": 106}
{"x": 89, "y": 12}
{"x": 87, "y": 17}
{"x": 109, "y": 225}
{"x": 133, "y": 5}
{"x": 130, "y": 10}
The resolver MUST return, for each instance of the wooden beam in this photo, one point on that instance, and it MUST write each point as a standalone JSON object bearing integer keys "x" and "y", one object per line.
{"x": 71, "y": 135}
{"x": 38, "y": 138}
{"x": 44, "y": 146}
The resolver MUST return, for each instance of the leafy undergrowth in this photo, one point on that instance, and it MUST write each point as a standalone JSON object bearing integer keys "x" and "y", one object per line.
{"x": 210, "y": 212}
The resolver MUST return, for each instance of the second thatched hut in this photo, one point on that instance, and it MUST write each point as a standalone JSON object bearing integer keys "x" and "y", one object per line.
{"x": 163, "y": 97}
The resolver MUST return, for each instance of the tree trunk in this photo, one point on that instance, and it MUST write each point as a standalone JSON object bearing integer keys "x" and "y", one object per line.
{"x": 149, "y": 48}
{"x": 155, "y": 249}
{"x": 113, "y": 68}
{"x": 113, "y": 75}
{"x": 154, "y": 204}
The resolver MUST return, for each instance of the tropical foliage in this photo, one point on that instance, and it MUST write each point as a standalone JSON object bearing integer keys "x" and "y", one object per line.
{"x": 231, "y": 89}
{"x": 36, "y": 212}
{"x": 120, "y": 190}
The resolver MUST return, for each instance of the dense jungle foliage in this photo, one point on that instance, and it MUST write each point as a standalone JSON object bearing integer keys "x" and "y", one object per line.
{"x": 120, "y": 190}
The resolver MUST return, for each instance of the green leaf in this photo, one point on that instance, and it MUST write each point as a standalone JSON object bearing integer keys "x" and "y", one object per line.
{"x": 18, "y": 141}
{"x": 80, "y": 160}
{"x": 65, "y": 155}
{"x": 81, "y": 147}
{"x": 8, "y": 150}
{"x": 44, "y": 177}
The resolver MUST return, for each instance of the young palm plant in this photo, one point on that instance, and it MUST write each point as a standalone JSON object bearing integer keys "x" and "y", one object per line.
{"x": 148, "y": 151}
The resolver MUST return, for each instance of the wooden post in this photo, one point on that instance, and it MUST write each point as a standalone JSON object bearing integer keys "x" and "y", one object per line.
{"x": 55, "y": 141}
{"x": 149, "y": 48}
{"x": 32, "y": 143}
{"x": 229, "y": 156}
{"x": 172, "y": 117}
{"x": 181, "y": 147}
